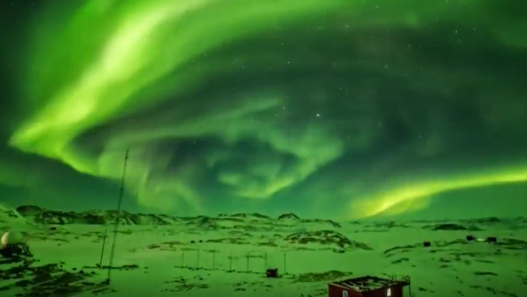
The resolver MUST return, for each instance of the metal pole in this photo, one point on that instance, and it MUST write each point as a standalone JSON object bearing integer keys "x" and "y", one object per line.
{"x": 409, "y": 287}
{"x": 213, "y": 260}
{"x": 285, "y": 263}
{"x": 230, "y": 262}
{"x": 119, "y": 203}
{"x": 102, "y": 249}
{"x": 247, "y": 267}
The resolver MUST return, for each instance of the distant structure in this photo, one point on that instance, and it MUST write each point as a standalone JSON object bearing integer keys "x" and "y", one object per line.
{"x": 272, "y": 272}
{"x": 13, "y": 244}
{"x": 369, "y": 286}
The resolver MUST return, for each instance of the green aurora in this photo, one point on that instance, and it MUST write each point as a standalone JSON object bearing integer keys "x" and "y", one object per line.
{"x": 342, "y": 108}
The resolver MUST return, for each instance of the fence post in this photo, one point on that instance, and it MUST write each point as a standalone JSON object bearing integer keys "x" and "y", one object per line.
{"x": 265, "y": 263}
{"x": 182, "y": 259}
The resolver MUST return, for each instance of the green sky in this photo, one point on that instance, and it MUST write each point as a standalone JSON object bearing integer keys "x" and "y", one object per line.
{"x": 339, "y": 108}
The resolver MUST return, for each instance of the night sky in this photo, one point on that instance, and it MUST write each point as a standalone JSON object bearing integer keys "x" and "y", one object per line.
{"x": 326, "y": 108}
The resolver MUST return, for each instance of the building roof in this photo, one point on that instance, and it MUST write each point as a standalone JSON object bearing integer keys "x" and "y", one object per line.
{"x": 369, "y": 283}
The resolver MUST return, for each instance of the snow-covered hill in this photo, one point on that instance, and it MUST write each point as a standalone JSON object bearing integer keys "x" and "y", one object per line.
{"x": 227, "y": 255}
{"x": 94, "y": 217}
{"x": 9, "y": 216}
{"x": 98, "y": 217}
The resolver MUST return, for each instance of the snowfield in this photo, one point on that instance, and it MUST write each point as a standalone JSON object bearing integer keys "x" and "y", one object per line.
{"x": 228, "y": 255}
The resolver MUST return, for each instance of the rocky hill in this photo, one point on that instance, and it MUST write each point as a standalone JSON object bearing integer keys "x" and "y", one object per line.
{"x": 288, "y": 216}
{"x": 329, "y": 238}
{"x": 245, "y": 215}
{"x": 203, "y": 222}
{"x": 452, "y": 227}
{"x": 246, "y": 221}
{"x": 10, "y": 216}
{"x": 99, "y": 217}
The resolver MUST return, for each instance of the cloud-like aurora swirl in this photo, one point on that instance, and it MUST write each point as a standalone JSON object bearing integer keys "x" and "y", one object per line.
{"x": 276, "y": 92}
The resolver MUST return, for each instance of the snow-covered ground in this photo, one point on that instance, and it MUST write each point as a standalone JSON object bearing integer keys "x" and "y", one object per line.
{"x": 228, "y": 256}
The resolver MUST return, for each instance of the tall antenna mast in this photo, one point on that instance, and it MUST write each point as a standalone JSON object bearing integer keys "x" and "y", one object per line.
{"x": 118, "y": 217}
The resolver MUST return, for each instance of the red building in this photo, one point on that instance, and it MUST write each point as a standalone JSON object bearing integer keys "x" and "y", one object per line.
{"x": 370, "y": 286}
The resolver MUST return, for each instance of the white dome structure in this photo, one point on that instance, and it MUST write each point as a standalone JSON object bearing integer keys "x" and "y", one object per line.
{"x": 12, "y": 237}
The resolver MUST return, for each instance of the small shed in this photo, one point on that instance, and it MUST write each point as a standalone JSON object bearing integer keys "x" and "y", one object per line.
{"x": 370, "y": 286}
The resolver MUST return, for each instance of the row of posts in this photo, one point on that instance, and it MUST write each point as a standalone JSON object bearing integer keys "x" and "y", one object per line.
{"x": 248, "y": 256}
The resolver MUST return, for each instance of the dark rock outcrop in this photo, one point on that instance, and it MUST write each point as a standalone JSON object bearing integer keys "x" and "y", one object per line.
{"x": 28, "y": 210}
{"x": 54, "y": 217}
{"x": 288, "y": 216}
{"x": 329, "y": 222}
{"x": 326, "y": 237}
{"x": 261, "y": 216}
{"x": 8, "y": 214}
{"x": 203, "y": 222}
{"x": 489, "y": 220}
{"x": 244, "y": 215}
{"x": 47, "y": 280}
{"x": 452, "y": 227}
